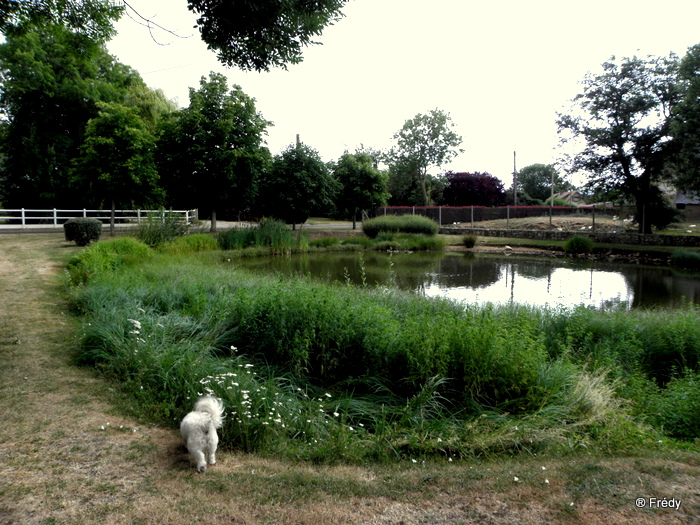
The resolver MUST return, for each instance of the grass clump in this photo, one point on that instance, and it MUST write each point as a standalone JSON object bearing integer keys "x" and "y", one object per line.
{"x": 193, "y": 243}
{"x": 685, "y": 259}
{"x": 104, "y": 257}
{"x": 578, "y": 244}
{"x": 270, "y": 233}
{"x": 161, "y": 227}
{"x": 399, "y": 224}
{"x": 469, "y": 241}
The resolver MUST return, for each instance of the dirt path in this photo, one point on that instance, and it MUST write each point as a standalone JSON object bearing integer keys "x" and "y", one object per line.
{"x": 68, "y": 457}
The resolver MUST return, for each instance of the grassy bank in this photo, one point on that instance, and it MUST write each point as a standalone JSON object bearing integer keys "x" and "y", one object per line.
{"x": 338, "y": 373}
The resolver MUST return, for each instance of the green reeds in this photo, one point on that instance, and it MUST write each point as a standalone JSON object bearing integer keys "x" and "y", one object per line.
{"x": 354, "y": 373}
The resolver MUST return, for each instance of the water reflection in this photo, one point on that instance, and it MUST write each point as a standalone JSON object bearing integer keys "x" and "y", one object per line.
{"x": 498, "y": 279}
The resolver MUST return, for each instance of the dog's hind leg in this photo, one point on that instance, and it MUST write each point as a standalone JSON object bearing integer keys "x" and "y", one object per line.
{"x": 211, "y": 449}
{"x": 200, "y": 459}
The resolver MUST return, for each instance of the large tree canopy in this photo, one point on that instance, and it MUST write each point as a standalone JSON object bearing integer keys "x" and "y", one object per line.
{"x": 685, "y": 126}
{"x": 297, "y": 183}
{"x": 425, "y": 141}
{"x": 257, "y": 34}
{"x": 362, "y": 185}
{"x": 212, "y": 152}
{"x": 52, "y": 82}
{"x": 539, "y": 180}
{"x": 622, "y": 121}
{"x": 93, "y": 18}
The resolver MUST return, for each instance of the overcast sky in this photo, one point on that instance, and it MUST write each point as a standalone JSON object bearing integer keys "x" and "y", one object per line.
{"x": 501, "y": 69}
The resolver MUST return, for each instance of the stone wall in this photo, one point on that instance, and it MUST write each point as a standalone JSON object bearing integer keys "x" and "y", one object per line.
{"x": 596, "y": 237}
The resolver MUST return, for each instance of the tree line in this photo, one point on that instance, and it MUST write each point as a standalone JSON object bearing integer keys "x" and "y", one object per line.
{"x": 80, "y": 129}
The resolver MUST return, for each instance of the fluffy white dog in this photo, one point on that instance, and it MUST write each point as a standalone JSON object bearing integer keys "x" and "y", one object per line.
{"x": 198, "y": 430}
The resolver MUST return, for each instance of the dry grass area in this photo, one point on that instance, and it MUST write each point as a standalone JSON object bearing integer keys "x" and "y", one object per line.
{"x": 70, "y": 454}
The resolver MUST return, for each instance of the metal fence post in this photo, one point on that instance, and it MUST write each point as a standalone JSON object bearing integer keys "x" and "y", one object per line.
{"x": 55, "y": 221}
{"x": 23, "y": 219}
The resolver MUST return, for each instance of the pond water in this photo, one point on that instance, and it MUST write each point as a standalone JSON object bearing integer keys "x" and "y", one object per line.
{"x": 480, "y": 278}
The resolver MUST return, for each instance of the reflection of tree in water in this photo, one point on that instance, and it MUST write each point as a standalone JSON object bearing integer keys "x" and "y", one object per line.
{"x": 660, "y": 286}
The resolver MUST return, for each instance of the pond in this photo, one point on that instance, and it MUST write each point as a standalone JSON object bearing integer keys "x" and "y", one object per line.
{"x": 480, "y": 278}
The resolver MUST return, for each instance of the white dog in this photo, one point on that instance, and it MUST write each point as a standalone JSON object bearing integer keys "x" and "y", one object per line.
{"x": 198, "y": 430}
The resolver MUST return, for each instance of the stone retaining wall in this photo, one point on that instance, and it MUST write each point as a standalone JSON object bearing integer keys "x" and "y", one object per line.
{"x": 597, "y": 237}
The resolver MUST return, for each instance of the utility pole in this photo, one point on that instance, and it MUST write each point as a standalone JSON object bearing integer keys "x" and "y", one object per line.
{"x": 515, "y": 183}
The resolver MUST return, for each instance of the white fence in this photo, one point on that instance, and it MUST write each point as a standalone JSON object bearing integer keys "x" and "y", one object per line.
{"x": 23, "y": 218}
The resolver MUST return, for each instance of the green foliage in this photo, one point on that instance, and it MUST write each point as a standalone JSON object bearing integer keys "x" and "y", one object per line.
{"x": 676, "y": 408}
{"x": 193, "y": 243}
{"x": 270, "y": 233}
{"x": 536, "y": 181}
{"x": 218, "y": 138}
{"x": 82, "y": 230}
{"x": 298, "y": 183}
{"x": 425, "y": 141}
{"x": 325, "y": 242}
{"x": 264, "y": 34}
{"x": 469, "y": 241}
{"x": 160, "y": 227}
{"x": 578, "y": 244}
{"x": 52, "y": 82}
{"x": 685, "y": 259}
{"x": 362, "y": 185}
{"x": 399, "y": 223}
{"x": 624, "y": 131}
{"x": 116, "y": 165}
{"x": 338, "y": 373}
{"x": 105, "y": 257}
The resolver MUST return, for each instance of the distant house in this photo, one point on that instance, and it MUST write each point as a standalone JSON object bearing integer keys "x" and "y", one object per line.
{"x": 690, "y": 204}
{"x": 571, "y": 197}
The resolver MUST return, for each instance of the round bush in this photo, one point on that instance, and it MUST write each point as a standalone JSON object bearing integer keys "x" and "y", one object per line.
{"x": 578, "y": 244}
{"x": 399, "y": 224}
{"x": 82, "y": 230}
{"x": 469, "y": 241}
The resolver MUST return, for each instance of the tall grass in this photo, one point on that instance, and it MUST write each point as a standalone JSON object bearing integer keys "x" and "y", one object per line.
{"x": 270, "y": 233}
{"x": 333, "y": 372}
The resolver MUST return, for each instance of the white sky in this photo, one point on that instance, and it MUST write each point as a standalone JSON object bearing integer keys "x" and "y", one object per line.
{"x": 501, "y": 69}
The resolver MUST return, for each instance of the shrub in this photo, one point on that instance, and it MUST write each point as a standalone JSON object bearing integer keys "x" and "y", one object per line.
{"x": 399, "y": 224}
{"x": 469, "y": 241}
{"x": 578, "y": 244}
{"x": 161, "y": 227}
{"x": 82, "y": 230}
{"x": 685, "y": 259}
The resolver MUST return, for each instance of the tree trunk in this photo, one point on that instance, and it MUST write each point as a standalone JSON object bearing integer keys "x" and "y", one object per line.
{"x": 354, "y": 219}
{"x": 213, "y": 221}
{"x": 423, "y": 189}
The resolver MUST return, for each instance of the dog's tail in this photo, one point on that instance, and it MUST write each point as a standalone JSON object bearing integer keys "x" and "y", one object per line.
{"x": 213, "y": 407}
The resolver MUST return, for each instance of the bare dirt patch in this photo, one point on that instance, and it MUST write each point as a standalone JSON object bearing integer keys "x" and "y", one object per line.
{"x": 70, "y": 455}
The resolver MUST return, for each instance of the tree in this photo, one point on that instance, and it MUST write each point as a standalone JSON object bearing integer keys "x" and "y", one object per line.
{"x": 93, "y": 18}
{"x": 297, "y": 182}
{"x": 116, "y": 163}
{"x": 625, "y": 131}
{"x": 264, "y": 33}
{"x": 362, "y": 185}
{"x": 474, "y": 189}
{"x": 213, "y": 151}
{"x": 685, "y": 124}
{"x": 537, "y": 180}
{"x": 423, "y": 142}
{"x": 52, "y": 82}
